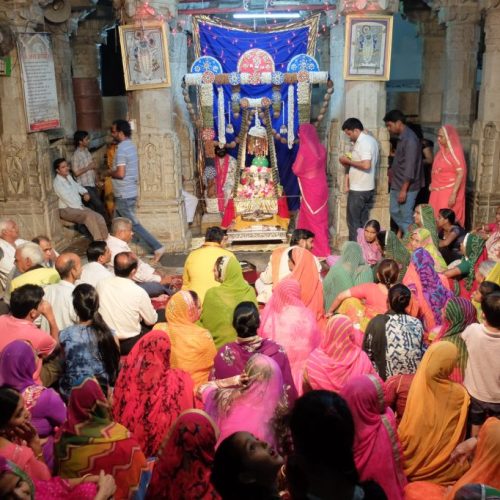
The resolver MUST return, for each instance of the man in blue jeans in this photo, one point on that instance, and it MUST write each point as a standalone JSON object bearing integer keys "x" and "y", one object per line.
{"x": 125, "y": 177}
{"x": 407, "y": 173}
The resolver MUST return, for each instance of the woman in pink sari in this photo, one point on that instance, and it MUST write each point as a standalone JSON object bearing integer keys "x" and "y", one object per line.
{"x": 288, "y": 322}
{"x": 310, "y": 169}
{"x": 250, "y": 406}
{"x": 449, "y": 174}
{"x": 338, "y": 358}
{"x": 377, "y": 452}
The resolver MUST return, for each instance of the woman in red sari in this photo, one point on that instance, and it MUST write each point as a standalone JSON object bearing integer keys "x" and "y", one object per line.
{"x": 449, "y": 174}
{"x": 149, "y": 395}
{"x": 184, "y": 463}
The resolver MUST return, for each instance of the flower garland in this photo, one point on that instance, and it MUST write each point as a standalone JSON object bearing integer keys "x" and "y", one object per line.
{"x": 291, "y": 113}
{"x": 221, "y": 123}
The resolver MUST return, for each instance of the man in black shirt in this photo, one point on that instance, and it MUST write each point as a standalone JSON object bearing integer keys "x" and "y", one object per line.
{"x": 407, "y": 173}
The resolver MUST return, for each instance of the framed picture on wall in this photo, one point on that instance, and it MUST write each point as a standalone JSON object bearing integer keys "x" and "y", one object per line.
{"x": 368, "y": 44}
{"x": 145, "y": 60}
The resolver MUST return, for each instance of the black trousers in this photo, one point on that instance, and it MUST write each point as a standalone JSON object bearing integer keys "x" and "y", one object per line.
{"x": 359, "y": 204}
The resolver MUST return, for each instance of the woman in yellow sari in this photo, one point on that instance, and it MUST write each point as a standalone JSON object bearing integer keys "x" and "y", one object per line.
{"x": 193, "y": 348}
{"x": 434, "y": 420}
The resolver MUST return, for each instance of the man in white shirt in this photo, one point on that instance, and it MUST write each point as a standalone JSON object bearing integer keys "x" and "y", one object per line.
{"x": 124, "y": 304}
{"x": 154, "y": 281}
{"x": 71, "y": 208}
{"x": 98, "y": 256}
{"x": 60, "y": 295}
{"x": 9, "y": 241}
{"x": 360, "y": 175}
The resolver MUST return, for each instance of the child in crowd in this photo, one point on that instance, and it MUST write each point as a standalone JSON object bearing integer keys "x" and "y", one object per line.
{"x": 483, "y": 370}
{"x": 485, "y": 288}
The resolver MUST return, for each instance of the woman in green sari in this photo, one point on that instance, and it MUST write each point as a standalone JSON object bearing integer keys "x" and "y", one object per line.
{"x": 350, "y": 270}
{"x": 220, "y": 302}
{"x": 424, "y": 218}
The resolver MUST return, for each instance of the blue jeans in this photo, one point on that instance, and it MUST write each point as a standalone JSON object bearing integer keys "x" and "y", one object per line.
{"x": 125, "y": 207}
{"x": 359, "y": 204}
{"x": 402, "y": 213}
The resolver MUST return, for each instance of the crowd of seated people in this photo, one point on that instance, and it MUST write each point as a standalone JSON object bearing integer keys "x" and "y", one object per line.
{"x": 377, "y": 379}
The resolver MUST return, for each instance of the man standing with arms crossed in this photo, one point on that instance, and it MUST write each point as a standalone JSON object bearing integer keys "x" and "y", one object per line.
{"x": 125, "y": 176}
{"x": 360, "y": 175}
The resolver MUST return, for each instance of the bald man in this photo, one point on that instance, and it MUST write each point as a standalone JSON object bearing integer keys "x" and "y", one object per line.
{"x": 60, "y": 295}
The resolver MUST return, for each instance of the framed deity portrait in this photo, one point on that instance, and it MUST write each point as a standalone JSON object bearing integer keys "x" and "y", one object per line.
{"x": 368, "y": 44}
{"x": 144, "y": 50}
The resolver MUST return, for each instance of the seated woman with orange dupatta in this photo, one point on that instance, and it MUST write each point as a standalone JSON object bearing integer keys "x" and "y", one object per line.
{"x": 484, "y": 469}
{"x": 193, "y": 348}
{"x": 434, "y": 421}
{"x": 303, "y": 268}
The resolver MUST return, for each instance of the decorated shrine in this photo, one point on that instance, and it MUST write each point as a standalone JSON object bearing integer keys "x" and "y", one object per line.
{"x": 253, "y": 91}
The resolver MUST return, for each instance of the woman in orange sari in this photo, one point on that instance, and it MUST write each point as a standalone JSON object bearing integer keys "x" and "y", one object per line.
{"x": 435, "y": 418}
{"x": 449, "y": 174}
{"x": 193, "y": 348}
{"x": 302, "y": 264}
{"x": 484, "y": 469}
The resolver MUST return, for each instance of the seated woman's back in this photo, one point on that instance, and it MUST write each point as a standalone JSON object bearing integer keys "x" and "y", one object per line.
{"x": 149, "y": 395}
{"x": 434, "y": 419}
{"x": 90, "y": 441}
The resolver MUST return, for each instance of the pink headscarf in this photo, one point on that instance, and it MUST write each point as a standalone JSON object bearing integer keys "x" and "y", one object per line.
{"x": 249, "y": 408}
{"x": 371, "y": 251}
{"x": 377, "y": 452}
{"x": 338, "y": 358}
{"x": 287, "y": 321}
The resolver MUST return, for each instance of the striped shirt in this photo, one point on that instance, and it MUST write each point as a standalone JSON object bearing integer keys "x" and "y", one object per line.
{"x": 126, "y": 154}
{"x": 80, "y": 160}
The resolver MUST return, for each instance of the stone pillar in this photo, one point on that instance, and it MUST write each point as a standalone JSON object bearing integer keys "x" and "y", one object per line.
{"x": 433, "y": 67}
{"x": 182, "y": 120}
{"x": 160, "y": 206}
{"x": 26, "y": 192}
{"x": 462, "y": 42}
{"x": 365, "y": 100}
{"x": 86, "y": 74}
{"x": 484, "y": 168}
{"x": 62, "y": 63}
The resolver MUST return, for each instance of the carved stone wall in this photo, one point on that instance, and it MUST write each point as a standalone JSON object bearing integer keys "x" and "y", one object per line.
{"x": 462, "y": 43}
{"x": 160, "y": 207}
{"x": 433, "y": 67}
{"x": 484, "y": 176}
{"x": 25, "y": 163}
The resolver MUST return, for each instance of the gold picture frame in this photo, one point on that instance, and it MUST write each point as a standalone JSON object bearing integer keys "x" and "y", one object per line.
{"x": 144, "y": 49}
{"x": 368, "y": 47}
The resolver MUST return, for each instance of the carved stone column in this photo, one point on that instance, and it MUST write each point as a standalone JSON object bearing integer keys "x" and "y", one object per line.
{"x": 484, "y": 171}
{"x": 433, "y": 66}
{"x": 160, "y": 205}
{"x": 365, "y": 100}
{"x": 62, "y": 64}
{"x": 26, "y": 192}
{"x": 462, "y": 42}
{"x": 182, "y": 121}
{"x": 86, "y": 74}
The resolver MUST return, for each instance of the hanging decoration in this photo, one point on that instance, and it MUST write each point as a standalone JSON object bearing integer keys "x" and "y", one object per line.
{"x": 291, "y": 113}
{"x": 221, "y": 122}
{"x": 229, "y": 127}
{"x": 283, "y": 129}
